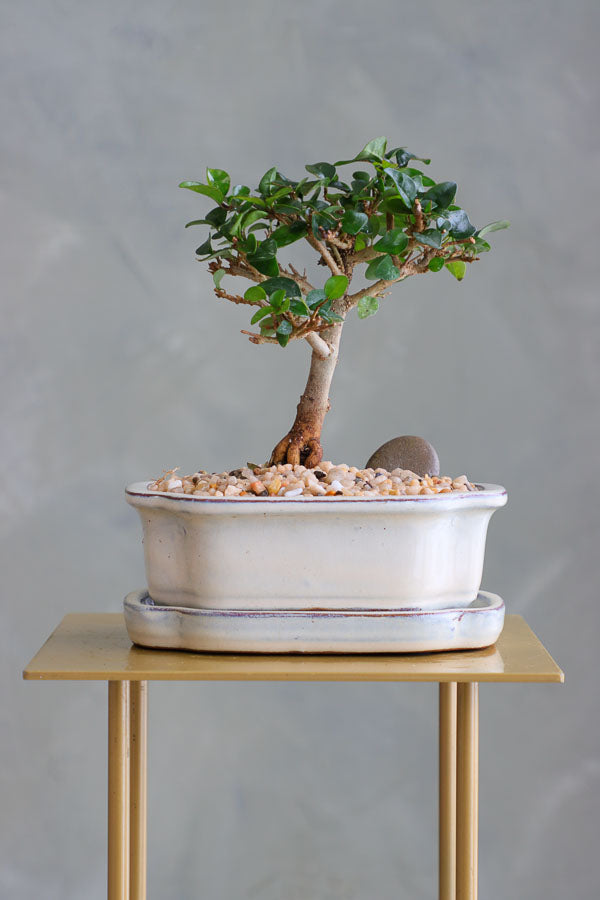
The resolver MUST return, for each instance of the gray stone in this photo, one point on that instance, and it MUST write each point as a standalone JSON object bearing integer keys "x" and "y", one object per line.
{"x": 406, "y": 452}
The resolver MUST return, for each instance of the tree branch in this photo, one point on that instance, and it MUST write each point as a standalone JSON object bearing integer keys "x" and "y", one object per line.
{"x": 338, "y": 258}
{"x": 236, "y": 298}
{"x": 320, "y": 247}
{"x": 415, "y": 267}
{"x": 372, "y": 290}
{"x": 301, "y": 280}
{"x": 319, "y": 346}
{"x": 419, "y": 217}
{"x": 238, "y": 267}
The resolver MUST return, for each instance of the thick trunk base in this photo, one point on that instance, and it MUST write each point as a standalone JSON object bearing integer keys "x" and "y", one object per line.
{"x": 302, "y": 443}
{"x": 300, "y": 446}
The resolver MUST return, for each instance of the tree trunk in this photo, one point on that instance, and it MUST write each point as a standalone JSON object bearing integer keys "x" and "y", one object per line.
{"x": 302, "y": 444}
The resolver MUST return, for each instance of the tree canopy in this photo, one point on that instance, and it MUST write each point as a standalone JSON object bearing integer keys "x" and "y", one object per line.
{"x": 388, "y": 217}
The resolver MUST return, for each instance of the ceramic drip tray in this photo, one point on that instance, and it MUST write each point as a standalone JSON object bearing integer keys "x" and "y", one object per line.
{"x": 471, "y": 627}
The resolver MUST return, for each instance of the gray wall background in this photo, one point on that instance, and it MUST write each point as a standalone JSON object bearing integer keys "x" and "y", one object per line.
{"x": 118, "y": 362}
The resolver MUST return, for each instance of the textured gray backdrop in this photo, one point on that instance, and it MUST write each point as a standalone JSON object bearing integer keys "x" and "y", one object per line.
{"x": 118, "y": 362}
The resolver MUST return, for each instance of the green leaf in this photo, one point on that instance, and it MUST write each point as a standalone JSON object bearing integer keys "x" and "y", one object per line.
{"x": 457, "y": 223}
{"x": 233, "y": 226}
{"x": 403, "y": 157}
{"x": 441, "y": 194}
{"x": 394, "y": 241}
{"x": 250, "y": 245}
{"x": 267, "y": 266}
{"x": 340, "y": 186}
{"x": 305, "y": 186}
{"x": 260, "y": 314}
{"x": 265, "y": 184}
{"x": 480, "y": 246}
{"x": 360, "y": 188}
{"x": 252, "y": 216}
{"x": 322, "y": 221}
{"x": 375, "y": 149}
{"x": 321, "y": 170}
{"x": 281, "y": 284}
{"x": 354, "y": 221}
{"x": 288, "y": 207}
{"x": 457, "y": 267}
{"x": 218, "y": 179}
{"x": 328, "y": 316}
{"x": 361, "y": 242}
{"x": 252, "y": 201}
{"x": 264, "y": 259}
{"x": 374, "y": 225}
{"x": 335, "y": 287}
{"x": 431, "y": 237}
{"x": 315, "y": 297}
{"x": 205, "y": 248}
{"x": 267, "y": 327}
{"x": 393, "y": 205}
{"x": 276, "y": 300}
{"x": 435, "y": 264}
{"x": 367, "y": 306}
{"x": 255, "y": 294}
{"x": 493, "y": 226}
{"x": 283, "y": 179}
{"x": 216, "y": 216}
{"x": 217, "y": 277}
{"x": 406, "y": 187}
{"x": 287, "y": 234}
{"x": 299, "y": 307}
{"x": 382, "y": 267}
{"x": 417, "y": 175}
{"x": 199, "y": 188}
{"x": 284, "y": 329}
{"x": 282, "y": 192}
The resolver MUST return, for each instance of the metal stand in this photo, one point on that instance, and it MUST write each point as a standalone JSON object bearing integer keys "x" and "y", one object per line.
{"x": 127, "y": 767}
{"x": 95, "y": 646}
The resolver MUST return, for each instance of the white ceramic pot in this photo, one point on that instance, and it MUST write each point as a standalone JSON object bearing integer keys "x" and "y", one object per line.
{"x": 315, "y": 553}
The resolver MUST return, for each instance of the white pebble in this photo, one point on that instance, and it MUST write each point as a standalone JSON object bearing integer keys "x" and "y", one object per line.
{"x": 294, "y": 493}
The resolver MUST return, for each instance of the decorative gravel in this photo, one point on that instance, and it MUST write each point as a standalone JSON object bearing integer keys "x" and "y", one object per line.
{"x": 326, "y": 480}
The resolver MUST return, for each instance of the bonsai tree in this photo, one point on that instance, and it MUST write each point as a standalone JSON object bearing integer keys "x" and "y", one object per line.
{"x": 388, "y": 222}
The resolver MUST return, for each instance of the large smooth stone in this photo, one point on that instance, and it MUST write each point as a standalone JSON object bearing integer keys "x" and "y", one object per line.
{"x": 406, "y": 452}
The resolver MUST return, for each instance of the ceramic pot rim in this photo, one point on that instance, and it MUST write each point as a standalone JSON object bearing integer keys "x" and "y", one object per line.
{"x": 488, "y": 496}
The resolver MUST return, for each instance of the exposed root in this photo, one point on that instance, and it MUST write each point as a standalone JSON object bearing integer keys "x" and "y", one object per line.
{"x": 297, "y": 449}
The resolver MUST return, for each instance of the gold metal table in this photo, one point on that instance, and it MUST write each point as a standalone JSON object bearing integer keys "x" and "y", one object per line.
{"x": 95, "y": 647}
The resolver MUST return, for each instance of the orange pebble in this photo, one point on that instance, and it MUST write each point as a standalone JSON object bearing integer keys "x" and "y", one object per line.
{"x": 257, "y": 486}
{"x": 274, "y": 486}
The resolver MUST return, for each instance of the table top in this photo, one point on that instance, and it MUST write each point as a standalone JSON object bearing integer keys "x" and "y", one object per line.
{"x": 96, "y": 647}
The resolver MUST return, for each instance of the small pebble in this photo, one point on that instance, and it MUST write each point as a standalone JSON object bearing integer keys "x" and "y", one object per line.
{"x": 326, "y": 481}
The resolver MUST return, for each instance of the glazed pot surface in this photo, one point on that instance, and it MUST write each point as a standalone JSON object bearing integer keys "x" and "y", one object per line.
{"x": 315, "y": 553}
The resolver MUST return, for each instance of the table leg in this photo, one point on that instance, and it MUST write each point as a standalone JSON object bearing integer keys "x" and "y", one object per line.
{"x": 467, "y": 790}
{"x": 447, "y": 791}
{"x": 118, "y": 790}
{"x": 138, "y": 765}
